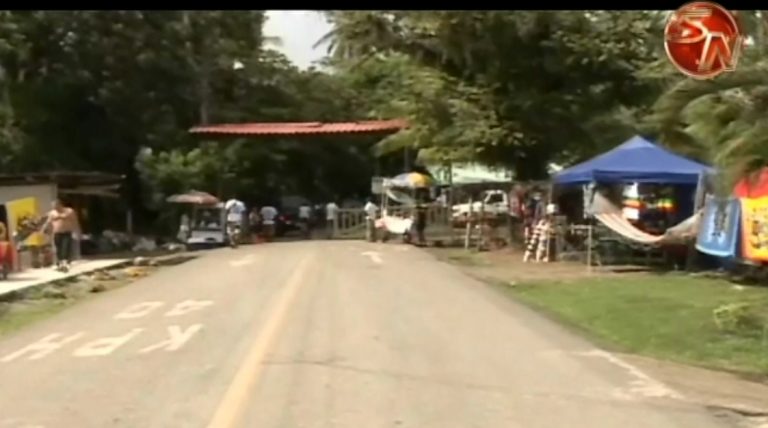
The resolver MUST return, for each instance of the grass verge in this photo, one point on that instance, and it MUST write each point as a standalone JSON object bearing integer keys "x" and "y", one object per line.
{"x": 662, "y": 316}
{"x": 14, "y": 316}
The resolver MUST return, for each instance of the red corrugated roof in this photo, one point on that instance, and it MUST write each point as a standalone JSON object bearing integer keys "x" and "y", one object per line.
{"x": 292, "y": 128}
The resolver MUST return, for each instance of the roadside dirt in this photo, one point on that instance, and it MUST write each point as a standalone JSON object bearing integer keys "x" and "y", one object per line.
{"x": 45, "y": 300}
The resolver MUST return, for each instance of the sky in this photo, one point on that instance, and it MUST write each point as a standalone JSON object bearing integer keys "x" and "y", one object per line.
{"x": 298, "y": 30}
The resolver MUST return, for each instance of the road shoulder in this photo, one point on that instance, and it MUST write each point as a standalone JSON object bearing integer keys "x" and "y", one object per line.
{"x": 717, "y": 390}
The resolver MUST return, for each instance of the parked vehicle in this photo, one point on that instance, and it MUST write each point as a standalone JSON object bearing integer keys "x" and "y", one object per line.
{"x": 286, "y": 223}
{"x": 491, "y": 202}
{"x": 208, "y": 226}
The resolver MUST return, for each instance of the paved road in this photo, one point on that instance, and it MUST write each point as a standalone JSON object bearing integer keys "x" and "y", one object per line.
{"x": 319, "y": 334}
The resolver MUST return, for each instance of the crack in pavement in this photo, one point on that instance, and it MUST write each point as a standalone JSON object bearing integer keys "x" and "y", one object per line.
{"x": 610, "y": 397}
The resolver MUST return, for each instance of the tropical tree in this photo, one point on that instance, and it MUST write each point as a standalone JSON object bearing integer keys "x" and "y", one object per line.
{"x": 518, "y": 88}
{"x": 722, "y": 120}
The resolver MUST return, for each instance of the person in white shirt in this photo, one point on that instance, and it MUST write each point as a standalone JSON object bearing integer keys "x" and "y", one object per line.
{"x": 268, "y": 216}
{"x": 371, "y": 214}
{"x": 331, "y": 211}
{"x": 305, "y": 219}
{"x": 184, "y": 227}
{"x": 235, "y": 210}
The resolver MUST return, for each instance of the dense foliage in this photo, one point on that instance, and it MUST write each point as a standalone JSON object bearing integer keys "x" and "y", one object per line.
{"x": 117, "y": 92}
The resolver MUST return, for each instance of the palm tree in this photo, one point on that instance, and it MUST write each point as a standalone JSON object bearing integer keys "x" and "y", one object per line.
{"x": 721, "y": 121}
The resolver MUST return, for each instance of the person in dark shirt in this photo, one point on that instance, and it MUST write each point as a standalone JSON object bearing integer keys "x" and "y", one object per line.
{"x": 421, "y": 218}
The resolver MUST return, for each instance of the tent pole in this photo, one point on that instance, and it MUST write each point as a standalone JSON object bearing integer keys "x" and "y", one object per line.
{"x": 589, "y": 249}
{"x": 698, "y": 204}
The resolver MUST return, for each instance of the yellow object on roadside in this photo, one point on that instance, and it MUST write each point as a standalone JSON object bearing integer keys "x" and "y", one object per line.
{"x": 135, "y": 271}
{"x": 754, "y": 228}
{"x": 20, "y": 210}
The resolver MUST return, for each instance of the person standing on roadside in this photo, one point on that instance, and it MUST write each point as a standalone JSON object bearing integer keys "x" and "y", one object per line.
{"x": 254, "y": 222}
{"x": 305, "y": 219}
{"x": 421, "y": 221}
{"x": 65, "y": 226}
{"x": 268, "y": 216}
{"x": 331, "y": 213}
{"x": 371, "y": 214}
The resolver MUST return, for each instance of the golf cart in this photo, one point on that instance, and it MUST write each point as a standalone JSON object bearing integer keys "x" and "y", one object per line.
{"x": 207, "y": 219}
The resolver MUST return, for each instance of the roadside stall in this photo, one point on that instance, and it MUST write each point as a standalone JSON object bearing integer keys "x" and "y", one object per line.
{"x": 398, "y": 202}
{"x": 206, "y": 225}
{"x": 638, "y": 198}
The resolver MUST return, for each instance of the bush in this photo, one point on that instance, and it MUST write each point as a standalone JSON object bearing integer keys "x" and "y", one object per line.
{"x": 741, "y": 318}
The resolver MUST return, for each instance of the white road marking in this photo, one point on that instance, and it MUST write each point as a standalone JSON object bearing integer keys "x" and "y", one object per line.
{"x": 642, "y": 384}
{"x": 42, "y": 347}
{"x": 244, "y": 261}
{"x": 138, "y": 310}
{"x": 105, "y": 345}
{"x": 374, "y": 256}
{"x": 187, "y": 306}
{"x": 177, "y": 338}
{"x": 240, "y": 391}
{"x": 17, "y": 423}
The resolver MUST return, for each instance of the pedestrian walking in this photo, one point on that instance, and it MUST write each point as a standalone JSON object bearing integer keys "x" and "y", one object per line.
{"x": 268, "y": 216}
{"x": 305, "y": 219}
{"x": 65, "y": 227}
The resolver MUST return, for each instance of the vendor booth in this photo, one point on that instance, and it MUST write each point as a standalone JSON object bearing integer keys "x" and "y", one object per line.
{"x": 642, "y": 192}
{"x": 402, "y": 196}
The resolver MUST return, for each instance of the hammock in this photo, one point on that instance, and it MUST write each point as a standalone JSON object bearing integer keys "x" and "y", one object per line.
{"x": 610, "y": 216}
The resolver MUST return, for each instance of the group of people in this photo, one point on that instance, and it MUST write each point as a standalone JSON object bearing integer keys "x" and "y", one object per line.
{"x": 262, "y": 222}
{"x": 259, "y": 221}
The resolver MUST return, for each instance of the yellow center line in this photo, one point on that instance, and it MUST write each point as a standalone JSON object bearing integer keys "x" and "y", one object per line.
{"x": 230, "y": 409}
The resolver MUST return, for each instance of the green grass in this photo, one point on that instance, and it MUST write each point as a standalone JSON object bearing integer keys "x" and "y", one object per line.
{"x": 664, "y": 316}
{"x": 15, "y": 316}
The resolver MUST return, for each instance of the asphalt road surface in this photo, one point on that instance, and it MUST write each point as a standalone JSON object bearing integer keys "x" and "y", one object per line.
{"x": 319, "y": 335}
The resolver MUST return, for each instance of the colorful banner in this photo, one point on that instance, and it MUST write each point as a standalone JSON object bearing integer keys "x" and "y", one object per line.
{"x": 24, "y": 220}
{"x": 719, "y": 227}
{"x": 754, "y": 229}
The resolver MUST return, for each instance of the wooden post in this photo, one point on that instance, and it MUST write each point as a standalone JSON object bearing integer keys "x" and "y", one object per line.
{"x": 589, "y": 249}
{"x": 449, "y": 203}
{"x": 481, "y": 224}
{"x": 698, "y": 204}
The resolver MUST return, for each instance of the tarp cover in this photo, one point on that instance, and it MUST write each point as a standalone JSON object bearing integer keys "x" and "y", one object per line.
{"x": 637, "y": 160}
{"x": 719, "y": 230}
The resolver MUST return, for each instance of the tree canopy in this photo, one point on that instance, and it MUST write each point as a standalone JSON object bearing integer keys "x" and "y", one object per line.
{"x": 117, "y": 91}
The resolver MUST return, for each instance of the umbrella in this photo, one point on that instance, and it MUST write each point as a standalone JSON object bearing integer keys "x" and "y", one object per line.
{"x": 194, "y": 197}
{"x": 412, "y": 180}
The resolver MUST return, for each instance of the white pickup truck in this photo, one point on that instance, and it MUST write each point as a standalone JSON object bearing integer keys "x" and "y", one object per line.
{"x": 492, "y": 202}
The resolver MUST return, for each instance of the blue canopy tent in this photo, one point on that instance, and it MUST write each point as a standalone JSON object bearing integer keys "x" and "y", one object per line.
{"x": 635, "y": 161}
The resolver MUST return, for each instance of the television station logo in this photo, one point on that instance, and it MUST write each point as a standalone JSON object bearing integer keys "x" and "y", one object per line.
{"x": 703, "y": 39}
